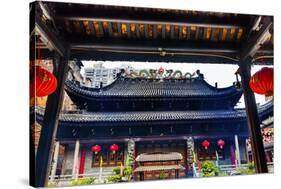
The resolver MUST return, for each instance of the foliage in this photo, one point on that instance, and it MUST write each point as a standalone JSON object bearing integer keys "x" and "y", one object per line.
{"x": 250, "y": 169}
{"x": 52, "y": 184}
{"x": 128, "y": 171}
{"x": 209, "y": 169}
{"x": 116, "y": 170}
{"x": 84, "y": 181}
{"x": 162, "y": 176}
{"x": 114, "y": 178}
{"x": 222, "y": 174}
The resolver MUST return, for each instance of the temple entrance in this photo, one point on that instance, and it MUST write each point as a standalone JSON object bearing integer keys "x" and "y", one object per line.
{"x": 160, "y": 160}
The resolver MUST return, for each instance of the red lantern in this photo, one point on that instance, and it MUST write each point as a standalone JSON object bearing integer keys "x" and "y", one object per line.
{"x": 114, "y": 148}
{"x": 96, "y": 149}
{"x": 220, "y": 143}
{"x": 206, "y": 144}
{"x": 161, "y": 70}
{"x": 262, "y": 82}
{"x": 43, "y": 81}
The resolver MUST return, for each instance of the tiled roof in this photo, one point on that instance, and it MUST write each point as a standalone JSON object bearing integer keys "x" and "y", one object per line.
{"x": 125, "y": 87}
{"x": 171, "y": 156}
{"x": 159, "y": 168}
{"x": 84, "y": 117}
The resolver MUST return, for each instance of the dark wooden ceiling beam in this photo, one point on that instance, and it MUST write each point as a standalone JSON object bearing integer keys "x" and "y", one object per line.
{"x": 188, "y": 33}
{"x": 154, "y": 31}
{"x": 152, "y": 22}
{"x": 101, "y": 32}
{"x": 220, "y": 34}
{"x": 146, "y": 16}
{"x": 146, "y": 31}
{"x": 128, "y": 30}
{"x": 91, "y": 27}
{"x": 99, "y": 55}
{"x": 137, "y": 30}
{"x": 252, "y": 44}
{"x": 49, "y": 35}
{"x": 185, "y": 46}
{"x": 109, "y": 29}
{"x": 228, "y": 35}
{"x": 180, "y": 32}
{"x": 172, "y": 32}
{"x": 163, "y": 31}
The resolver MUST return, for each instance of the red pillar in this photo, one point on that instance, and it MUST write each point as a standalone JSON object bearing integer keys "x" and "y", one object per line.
{"x": 82, "y": 161}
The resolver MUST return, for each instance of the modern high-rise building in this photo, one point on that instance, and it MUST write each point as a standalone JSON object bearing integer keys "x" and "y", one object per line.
{"x": 100, "y": 76}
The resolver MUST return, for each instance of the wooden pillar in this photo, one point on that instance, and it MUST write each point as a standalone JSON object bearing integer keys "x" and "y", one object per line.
{"x": 50, "y": 123}
{"x": 176, "y": 173}
{"x": 141, "y": 176}
{"x": 75, "y": 167}
{"x": 55, "y": 161}
{"x": 253, "y": 118}
{"x": 189, "y": 151}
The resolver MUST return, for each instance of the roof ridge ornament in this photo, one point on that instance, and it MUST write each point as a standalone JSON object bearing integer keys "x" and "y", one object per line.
{"x": 161, "y": 74}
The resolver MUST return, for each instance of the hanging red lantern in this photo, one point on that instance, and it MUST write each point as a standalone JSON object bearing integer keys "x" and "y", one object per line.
{"x": 220, "y": 143}
{"x": 161, "y": 70}
{"x": 206, "y": 144}
{"x": 114, "y": 148}
{"x": 96, "y": 149}
{"x": 262, "y": 82}
{"x": 42, "y": 82}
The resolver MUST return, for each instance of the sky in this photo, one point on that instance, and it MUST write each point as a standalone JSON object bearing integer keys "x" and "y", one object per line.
{"x": 223, "y": 74}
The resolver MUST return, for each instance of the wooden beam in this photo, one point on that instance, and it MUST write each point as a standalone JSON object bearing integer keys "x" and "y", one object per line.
{"x": 153, "y": 22}
{"x": 82, "y": 29}
{"x": 197, "y": 33}
{"x": 220, "y": 34}
{"x": 113, "y": 14}
{"x": 204, "y": 33}
{"x": 187, "y": 33}
{"x": 172, "y": 31}
{"x": 48, "y": 35}
{"x": 119, "y": 29}
{"x": 228, "y": 35}
{"x": 253, "y": 43}
{"x": 50, "y": 123}
{"x": 138, "y": 31}
{"x": 250, "y": 46}
{"x": 143, "y": 56}
{"x": 141, "y": 45}
{"x": 253, "y": 118}
{"x": 146, "y": 31}
{"x": 163, "y": 31}
{"x": 109, "y": 29}
{"x": 100, "y": 28}
{"x": 180, "y": 32}
{"x": 213, "y": 34}
{"x": 154, "y": 31}
{"x": 128, "y": 30}
{"x": 92, "y": 29}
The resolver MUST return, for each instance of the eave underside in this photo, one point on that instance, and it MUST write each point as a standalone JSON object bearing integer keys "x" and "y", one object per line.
{"x": 102, "y": 32}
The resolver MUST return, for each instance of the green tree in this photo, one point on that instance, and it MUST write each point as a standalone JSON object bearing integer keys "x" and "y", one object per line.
{"x": 114, "y": 178}
{"x": 250, "y": 169}
{"x": 52, "y": 184}
{"x": 83, "y": 181}
{"x": 209, "y": 169}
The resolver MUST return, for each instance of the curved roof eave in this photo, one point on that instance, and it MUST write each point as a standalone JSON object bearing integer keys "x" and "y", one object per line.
{"x": 115, "y": 117}
{"x": 125, "y": 87}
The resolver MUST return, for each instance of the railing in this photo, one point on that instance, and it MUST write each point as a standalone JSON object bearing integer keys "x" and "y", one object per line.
{"x": 66, "y": 179}
{"x": 230, "y": 169}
